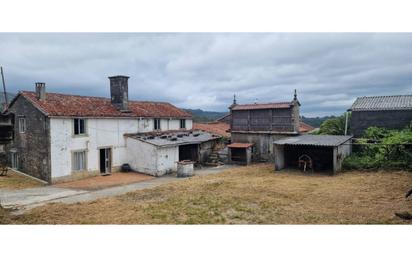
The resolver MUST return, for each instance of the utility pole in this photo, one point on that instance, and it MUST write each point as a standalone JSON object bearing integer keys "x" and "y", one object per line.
{"x": 346, "y": 123}
{"x": 4, "y": 90}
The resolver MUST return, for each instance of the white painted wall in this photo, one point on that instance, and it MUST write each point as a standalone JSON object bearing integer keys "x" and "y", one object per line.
{"x": 141, "y": 156}
{"x": 149, "y": 159}
{"x": 100, "y": 133}
{"x": 166, "y": 160}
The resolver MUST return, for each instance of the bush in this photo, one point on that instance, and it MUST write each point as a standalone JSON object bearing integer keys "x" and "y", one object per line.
{"x": 382, "y": 148}
{"x": 334, "y": 126}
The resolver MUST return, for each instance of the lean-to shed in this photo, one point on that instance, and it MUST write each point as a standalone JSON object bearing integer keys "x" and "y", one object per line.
{"x": 157, "y": 154}
{"x": 325, "y": 151}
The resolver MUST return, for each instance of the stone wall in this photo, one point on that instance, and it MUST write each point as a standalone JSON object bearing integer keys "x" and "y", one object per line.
{"x": 361, "y": 120}
{"x": 263, "y": 143}
{"x": 33, "y": 146}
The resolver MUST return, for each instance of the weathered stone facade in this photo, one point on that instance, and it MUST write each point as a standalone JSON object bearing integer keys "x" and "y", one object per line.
{"x": 261, "y": 124}
{"x": 32, "y": 146}
{"x": 263, "y": 143}
{"x": 391, "y": 119}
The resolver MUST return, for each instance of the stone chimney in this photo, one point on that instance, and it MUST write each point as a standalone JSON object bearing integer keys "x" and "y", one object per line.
{"x": 41, "y": 91}
{"x": 119, "y": 92}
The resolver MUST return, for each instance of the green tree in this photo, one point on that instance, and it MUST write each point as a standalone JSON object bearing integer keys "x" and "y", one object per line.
{"x": 334, "y": 126}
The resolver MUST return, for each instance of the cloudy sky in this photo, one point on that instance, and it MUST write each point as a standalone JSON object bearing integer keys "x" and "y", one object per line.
{"x": 329, "y": 70}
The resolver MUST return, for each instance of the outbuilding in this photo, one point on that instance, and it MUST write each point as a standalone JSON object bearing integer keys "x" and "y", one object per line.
{"x": 316, "y": 152}
{"x": 157, "y": 153}
{"x": 391, "y": 112}
{"x": 240, "y": 153}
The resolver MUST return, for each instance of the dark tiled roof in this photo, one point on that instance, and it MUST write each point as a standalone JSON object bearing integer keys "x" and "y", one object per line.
{"x": 314, "y": 140}
{"x": 86, "y": 106}
{"x": 381, "y": 103}
{"x": 281, "y": 105}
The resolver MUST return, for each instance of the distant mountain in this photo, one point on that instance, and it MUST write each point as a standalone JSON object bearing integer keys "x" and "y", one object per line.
{"x": 205, "y": 116}
{"x": 9, "y": 97}
{"x": 315, "y": 122}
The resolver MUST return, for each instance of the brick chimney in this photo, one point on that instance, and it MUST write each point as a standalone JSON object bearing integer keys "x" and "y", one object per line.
{"x": 119, "y": 92}
{"x": 41, "y": 91}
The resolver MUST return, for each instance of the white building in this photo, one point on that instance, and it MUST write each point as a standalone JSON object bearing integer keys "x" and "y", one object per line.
{"x": 60, "y": 136}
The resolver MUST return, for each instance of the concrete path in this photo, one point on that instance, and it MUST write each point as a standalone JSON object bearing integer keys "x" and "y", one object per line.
{"x": 26, "y": 199}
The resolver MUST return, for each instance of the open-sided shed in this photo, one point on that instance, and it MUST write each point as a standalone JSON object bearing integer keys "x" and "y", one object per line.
{"x": 325, "y": 152}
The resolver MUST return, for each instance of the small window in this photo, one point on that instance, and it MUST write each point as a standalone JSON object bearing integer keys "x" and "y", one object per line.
{"x": 79, "y": 161}
{"x": 156, "y": 124}
{"x": 79, "y": 126}
{"x": 14, "y": 160}
{"x": 183, "y": 124}
{"x": 22, "y": 125}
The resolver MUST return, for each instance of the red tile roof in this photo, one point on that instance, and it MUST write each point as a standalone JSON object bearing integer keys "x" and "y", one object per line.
{"x": 303, "y": 127}
{"x": 86, "y": 106}
{"x": 240, "y": 145}
{"x": 280, "y": 105}
{"x": 218, "y": 128}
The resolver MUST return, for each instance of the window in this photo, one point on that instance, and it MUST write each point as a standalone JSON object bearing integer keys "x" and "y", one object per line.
{"x": 79, "y": 161}
{"x": 182, "y": 124}
{"x": 22, "y": 125}
{"x": 79, "y": 126}
{"x": 14, "y": 160}
{"x": 156, "y": 124}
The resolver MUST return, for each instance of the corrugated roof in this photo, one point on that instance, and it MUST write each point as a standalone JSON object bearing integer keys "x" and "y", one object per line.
{"x": 280, "y": 105}
{"x": 240, "y": 145}
{"x": 314, "y": 140}
{"x": 86, "y": 106}
{"x": 169, "y": 138}
{"x": 382, "y": 103}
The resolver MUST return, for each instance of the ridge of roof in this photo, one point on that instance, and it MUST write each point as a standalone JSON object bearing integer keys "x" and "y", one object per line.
{"x": 98, "y": 97}
{"x": 66, "y": 105}
{"x": 377, "y": 103}
{"x": 272, "y": 105}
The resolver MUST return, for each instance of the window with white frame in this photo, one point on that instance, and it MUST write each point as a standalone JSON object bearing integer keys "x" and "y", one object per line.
{"x": 79, "y": 161}
{"x": 182, "y": 123}
{"x": 156, "y": 124}
{"x": 79, "y": 126}
{"x": 22, "y": 125}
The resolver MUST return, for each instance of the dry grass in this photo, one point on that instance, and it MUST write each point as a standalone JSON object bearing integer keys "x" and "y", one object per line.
{"x": 247, "y": 195}
{"x": 14, "y": 180}
{"x": 99, "y": 182}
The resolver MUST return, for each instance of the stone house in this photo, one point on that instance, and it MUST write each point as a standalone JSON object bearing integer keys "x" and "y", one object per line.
{"x": 392, "y": 112}
{"x": 261, "y": 124}
{"x": 59, "y": 136}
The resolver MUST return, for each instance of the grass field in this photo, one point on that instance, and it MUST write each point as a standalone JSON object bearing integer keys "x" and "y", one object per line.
{"x": 14, "y": 180}
{"x": 246, "y": 195}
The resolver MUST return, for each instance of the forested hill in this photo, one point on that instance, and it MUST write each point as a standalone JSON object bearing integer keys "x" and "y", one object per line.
{"x": 205, "y": 116}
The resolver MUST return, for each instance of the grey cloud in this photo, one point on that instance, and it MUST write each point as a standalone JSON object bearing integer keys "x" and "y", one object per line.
{"x": 204, "y": 70}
